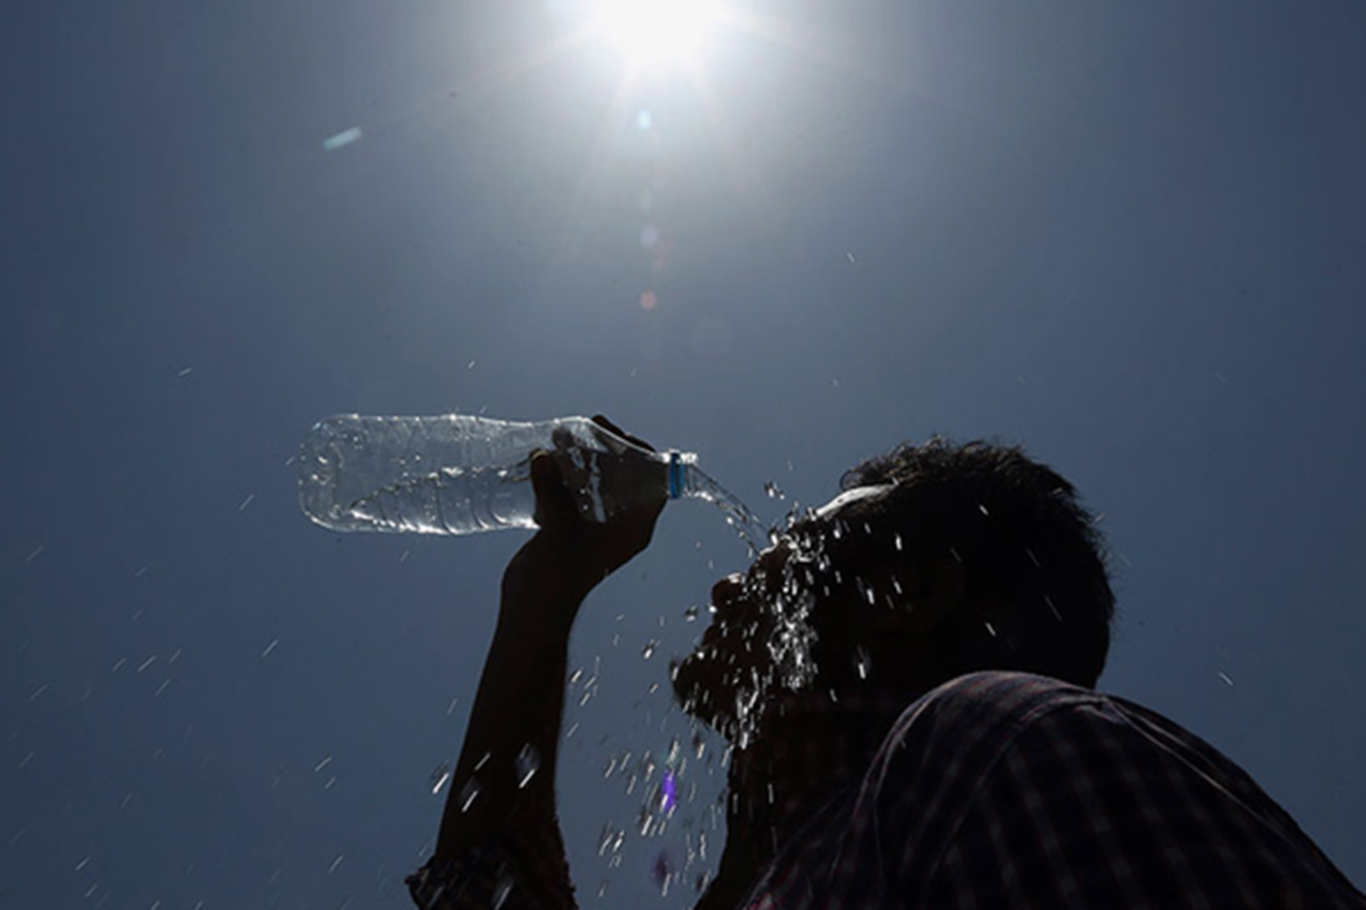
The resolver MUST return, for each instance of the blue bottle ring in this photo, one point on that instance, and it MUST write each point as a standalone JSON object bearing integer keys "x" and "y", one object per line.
{"x": 675, "y": 475}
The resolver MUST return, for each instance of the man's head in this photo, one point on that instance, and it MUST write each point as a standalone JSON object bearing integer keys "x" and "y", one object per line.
{"x": 936, "y": 560}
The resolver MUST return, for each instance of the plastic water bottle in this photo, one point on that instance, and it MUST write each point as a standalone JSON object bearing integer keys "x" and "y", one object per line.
{"x": 458, "y": 474}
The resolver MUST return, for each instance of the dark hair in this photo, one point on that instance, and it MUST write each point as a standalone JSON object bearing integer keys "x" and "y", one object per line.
{"x": 1023, "y": 539}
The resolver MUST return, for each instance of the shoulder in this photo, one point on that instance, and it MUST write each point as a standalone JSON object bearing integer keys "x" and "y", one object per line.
{"x": 991, "y": 704}
{"x": 945, "y": 743}
{"x": 999, "y": 729}
{"x": 970, "y": 725}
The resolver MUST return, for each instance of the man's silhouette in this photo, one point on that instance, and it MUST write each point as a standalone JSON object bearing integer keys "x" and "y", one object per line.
{"x": 907, "y": 679}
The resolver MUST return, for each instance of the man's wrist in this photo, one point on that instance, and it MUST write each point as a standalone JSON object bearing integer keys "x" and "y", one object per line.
{"x": 541, "y": 595}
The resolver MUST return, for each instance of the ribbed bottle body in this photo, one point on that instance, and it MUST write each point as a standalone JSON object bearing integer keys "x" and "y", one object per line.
{"x": 461, "y": 474}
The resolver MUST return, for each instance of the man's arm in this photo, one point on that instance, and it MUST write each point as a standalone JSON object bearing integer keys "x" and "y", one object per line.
{"x": 514, "y": 725}
{"x": 516, "y": 712}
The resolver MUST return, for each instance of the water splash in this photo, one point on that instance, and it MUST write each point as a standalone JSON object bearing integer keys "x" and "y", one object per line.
{"x": 739, "y": 516}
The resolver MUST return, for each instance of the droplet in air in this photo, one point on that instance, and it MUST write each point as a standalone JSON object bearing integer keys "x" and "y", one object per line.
{"x": 862, "y": 662}
{"x": 468, "y": 793}
{"x": 663, "y": 872}
{"x": 440, "y": 777}
{"x": 528, "y": 763}
{"x": 344, "y": 138}
{"x": 649, "y": 649}
{"x": 868, "y": 593}
{"x": 690, "y": 614}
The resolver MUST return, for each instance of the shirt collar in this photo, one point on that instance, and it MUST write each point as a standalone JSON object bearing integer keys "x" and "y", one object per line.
{"x": 809, "y": 746}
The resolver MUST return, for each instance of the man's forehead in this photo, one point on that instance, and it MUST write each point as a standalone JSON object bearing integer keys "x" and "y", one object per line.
{"x": 858, "y": 494}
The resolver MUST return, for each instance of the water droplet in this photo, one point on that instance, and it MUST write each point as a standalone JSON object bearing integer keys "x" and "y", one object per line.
{"x": 862, "y": 662}
{"x": 468, "y": 793}
{"x": 503, "y": 889}
{"x": 440, "y": 776}
{"x": 528, "y": 763}
{"x": 649, "y": 649}
{"x": 773, "y": 491}
{"x": 690, "y": 614}
{"x": 983, "y": 509}
{"x": 663, "y": 872}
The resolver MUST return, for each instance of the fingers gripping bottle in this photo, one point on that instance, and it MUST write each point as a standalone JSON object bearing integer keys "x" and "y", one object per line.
{"x": 459, "y": 474}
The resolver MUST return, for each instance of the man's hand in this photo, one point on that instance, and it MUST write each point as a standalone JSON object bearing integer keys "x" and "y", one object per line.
{"x": 570, "y": 554}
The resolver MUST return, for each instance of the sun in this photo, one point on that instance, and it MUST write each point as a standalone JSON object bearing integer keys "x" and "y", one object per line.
{"x": 652, "y": 31}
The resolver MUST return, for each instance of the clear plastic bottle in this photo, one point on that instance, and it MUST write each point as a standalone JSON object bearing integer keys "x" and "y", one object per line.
{"x": 458, "y": 474}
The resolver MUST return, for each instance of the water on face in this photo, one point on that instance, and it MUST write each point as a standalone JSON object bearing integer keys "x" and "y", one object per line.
{"x": 776, "y": 657}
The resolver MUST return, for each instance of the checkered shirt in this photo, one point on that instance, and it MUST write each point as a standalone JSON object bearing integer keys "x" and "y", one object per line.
{"x": 994, "y": 790}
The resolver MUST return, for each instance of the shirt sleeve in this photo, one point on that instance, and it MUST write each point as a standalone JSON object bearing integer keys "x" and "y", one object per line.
{"x": 525, "y": 870}
{"x": 1094, "y": 802}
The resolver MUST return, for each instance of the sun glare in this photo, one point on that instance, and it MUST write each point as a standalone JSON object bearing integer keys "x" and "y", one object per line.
{"x": 656, "y": 30}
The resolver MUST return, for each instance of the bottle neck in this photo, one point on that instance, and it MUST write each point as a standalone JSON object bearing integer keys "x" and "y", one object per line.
{"x": 680, "y": 472}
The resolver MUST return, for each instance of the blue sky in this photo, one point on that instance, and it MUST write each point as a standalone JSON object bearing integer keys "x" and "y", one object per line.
{"x": 1127, "y": 235}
